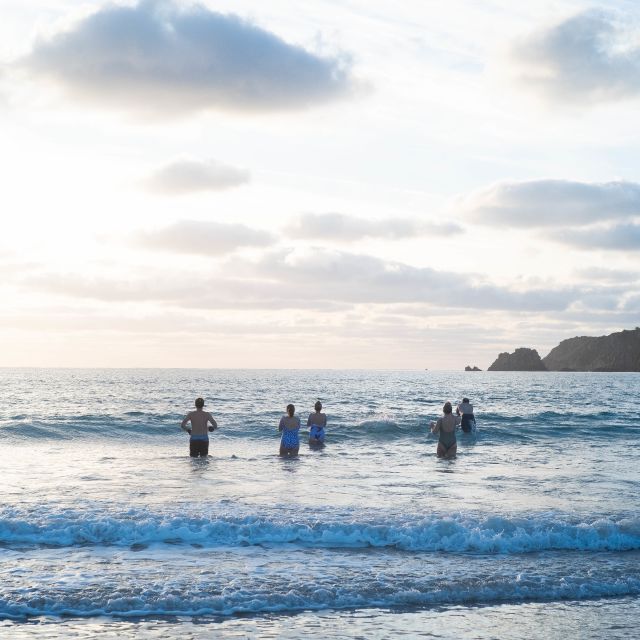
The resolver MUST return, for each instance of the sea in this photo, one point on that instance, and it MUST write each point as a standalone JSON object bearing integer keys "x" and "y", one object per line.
{"x": 108, "y": 529}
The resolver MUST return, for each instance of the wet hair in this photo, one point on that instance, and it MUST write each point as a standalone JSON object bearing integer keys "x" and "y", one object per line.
{"x": 465, "y": 400}
{"x": 199, "y": 403}
{"x": 318, "y": 405}
{"x": 447, "y": 408}
{"x": 291, "y": 410}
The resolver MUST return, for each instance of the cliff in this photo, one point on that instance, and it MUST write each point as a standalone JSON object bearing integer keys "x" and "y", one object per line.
{"x": 520, "y": 360}
{"x": 615, "y": 352}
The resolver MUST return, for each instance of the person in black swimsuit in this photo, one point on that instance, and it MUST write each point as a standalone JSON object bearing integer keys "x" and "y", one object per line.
{"x": 446, "y": 428}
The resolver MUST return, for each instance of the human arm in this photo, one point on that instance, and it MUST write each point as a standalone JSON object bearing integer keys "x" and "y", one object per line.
{"x": 281, "y": 425}
{"x": 214, "y": 424}
{"x": 183, "y": 425}
{"x": 435, "y": 425}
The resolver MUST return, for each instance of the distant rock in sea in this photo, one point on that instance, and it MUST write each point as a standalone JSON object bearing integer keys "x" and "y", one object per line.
{"x": 615, "y": 352}
{"x": 522, "y": 359}
{"x": 474, "y": 368}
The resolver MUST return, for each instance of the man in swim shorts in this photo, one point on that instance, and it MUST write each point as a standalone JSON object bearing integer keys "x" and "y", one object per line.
{"x": 199, "y": 442}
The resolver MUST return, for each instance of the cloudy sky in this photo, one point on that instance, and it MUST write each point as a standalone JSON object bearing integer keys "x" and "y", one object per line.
{"x": 334, "y": 183}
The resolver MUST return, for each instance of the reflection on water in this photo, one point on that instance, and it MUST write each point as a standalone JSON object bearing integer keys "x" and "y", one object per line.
{"x": 290, "y": 464}
{"x": 448, "y": 469}
{"x": 200, "y": 465}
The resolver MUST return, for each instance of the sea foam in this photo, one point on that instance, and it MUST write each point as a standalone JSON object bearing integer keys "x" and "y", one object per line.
{"x": 431, "y": 533}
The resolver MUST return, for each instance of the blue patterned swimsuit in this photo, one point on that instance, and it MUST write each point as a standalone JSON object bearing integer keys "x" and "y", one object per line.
{"x": 290, "y": 438}
{"x": 316, "y": 423}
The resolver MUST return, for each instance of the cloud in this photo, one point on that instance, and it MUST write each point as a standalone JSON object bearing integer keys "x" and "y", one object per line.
{"x": 158, "y": 57}
{"x": 13, "y": 263}
{"x": 328, "y": 275}
{"x": 188, "y": 176}
{"x": 591, "y": 57}
{"x": 338, "y": 226}
{"x": 615, "y": 276}
{"x": 203, "y": 238}
{"x": 552, "y": 203}
{"x": 622, "y": 237}
{"x": 316, "y": 279}
{"x": 632, "y": 304}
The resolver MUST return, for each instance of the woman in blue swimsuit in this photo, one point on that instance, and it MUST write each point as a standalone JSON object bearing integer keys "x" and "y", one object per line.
{"x": 290, "y": 426}
{"x": 317, "y": 422}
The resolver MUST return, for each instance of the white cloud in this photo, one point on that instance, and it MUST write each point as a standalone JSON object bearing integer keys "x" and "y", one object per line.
{"x": 552, "y": 203}
{"x": 622, "y": 237}
{"x": 312, "y": 279}
{"x": 591, "y": 57}
{"x": 203, "y": 238}
{"x": 186, "y": 176}
{"x": 611, "y": 276}
{"x": 159, "y": 57}
{"x": 341, "y": 227}
{"x": 632, "y": 304}
{"x": 13, "y": 263}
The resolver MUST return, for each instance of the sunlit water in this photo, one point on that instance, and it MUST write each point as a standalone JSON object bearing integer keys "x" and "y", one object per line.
{"x": 108, "y": 528}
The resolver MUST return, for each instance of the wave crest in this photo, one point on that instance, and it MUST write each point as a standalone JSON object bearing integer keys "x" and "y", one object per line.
{"x": 432, "y": 533}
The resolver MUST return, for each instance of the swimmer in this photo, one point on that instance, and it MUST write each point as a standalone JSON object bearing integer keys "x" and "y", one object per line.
{"x": 290, "y": 426}
{"x": 199, "y": 441}
{"x": 446, "y": 427}
{"x": 465, "y": 411}
{"x": 317, "y": 422}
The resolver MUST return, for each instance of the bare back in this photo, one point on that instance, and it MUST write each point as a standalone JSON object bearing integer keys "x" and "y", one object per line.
{"x": 318, "y": 419}
{"x": 447, "y": 423}
{"x": 199, "y": 420}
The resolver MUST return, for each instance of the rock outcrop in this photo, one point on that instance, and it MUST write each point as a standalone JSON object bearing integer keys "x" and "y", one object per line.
{"x": 470, "y": 368}
{"x": 522, "y": 359}
{"x": 615, "y": 352}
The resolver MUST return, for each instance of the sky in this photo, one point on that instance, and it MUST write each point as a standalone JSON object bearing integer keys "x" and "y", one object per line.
{"x": 327, "y": 184}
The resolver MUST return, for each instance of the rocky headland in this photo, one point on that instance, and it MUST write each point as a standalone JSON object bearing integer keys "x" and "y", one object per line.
{"x": 616, "y": 352}
{"x": 522, "y": 359}
{"x": 470, "y": 368}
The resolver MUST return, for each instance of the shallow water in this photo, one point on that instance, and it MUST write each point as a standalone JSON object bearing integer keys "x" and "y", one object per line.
{"x": 108, "y": 527}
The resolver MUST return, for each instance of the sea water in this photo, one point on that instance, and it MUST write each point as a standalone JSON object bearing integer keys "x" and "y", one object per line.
{"x": 109, "y": 529}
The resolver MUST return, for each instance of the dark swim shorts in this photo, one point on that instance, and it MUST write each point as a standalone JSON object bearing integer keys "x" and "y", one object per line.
{"x": 199, "y": 448}
{"x": 468, "y": 422}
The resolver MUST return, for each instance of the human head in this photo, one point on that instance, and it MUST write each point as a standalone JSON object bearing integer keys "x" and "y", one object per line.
{"x": 447, "y": 408}
{"x": 291, "y": 410}
{"x": 318, "y": 405}
{"x": 199, "y": 403}
{"x": 465, "y": 400}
